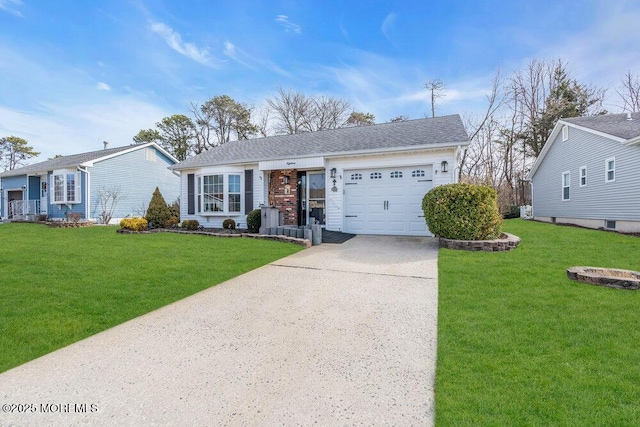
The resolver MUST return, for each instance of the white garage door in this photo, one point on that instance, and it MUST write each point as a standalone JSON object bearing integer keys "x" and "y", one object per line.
{"x": 386, "y": 200}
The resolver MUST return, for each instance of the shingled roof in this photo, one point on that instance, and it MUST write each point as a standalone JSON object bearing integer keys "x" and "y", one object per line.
{"x": 611, "y": 124}
{"x": 70, "y": 161}
{"x": 430, "y": 132}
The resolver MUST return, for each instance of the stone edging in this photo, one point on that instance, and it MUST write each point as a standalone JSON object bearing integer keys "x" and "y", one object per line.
{"x": 302, "y": 242}
{"x": 610, "y": 277}
{"x": 507, "y": 243}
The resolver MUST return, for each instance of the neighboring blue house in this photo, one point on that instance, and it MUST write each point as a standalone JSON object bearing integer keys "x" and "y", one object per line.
{"x": 74, "y": 183}
{"x": 588, "y": 173}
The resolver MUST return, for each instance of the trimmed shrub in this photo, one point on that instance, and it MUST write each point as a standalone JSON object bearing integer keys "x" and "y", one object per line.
{"x": 254, "y": 221}
{"x": 174, "y": 209}
{"x": 158, "y": 212}
{"x": 229, "y": 224}
{"x": 172, "y": 222}
{"x": 463, "y": 211}
{"x": 512, "y": 211}
{"x": 133, "y": 224}
{"x": 190, "y": 224}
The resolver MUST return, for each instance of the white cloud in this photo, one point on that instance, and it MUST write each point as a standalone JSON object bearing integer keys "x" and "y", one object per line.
{"x": 190, "y": 50}
{"x": 242, "y": 57}
{"x": 10, "y": 6}
{"x": 103, "y": 86}
{"x": 387, "y": 25}
{"x": 288, "y": 26}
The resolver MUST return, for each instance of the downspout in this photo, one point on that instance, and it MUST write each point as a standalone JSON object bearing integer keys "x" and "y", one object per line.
{"x": 87, "y": 201}
{"x": 455, "y": 168}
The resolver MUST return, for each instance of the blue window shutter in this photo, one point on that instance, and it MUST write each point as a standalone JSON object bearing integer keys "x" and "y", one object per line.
{"x": 191, "y": 206}
{"x": 248, "y": 191}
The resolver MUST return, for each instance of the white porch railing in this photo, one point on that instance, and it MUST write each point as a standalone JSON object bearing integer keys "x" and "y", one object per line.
{"x": 24, "y": 209}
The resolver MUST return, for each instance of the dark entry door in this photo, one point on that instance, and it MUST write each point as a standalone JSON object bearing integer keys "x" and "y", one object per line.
{"x": 302, "y": 198}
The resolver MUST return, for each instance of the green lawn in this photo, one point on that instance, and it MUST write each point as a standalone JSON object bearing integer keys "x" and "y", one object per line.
{"x": 58, "y": 286}
{"x": 520, "y": 344}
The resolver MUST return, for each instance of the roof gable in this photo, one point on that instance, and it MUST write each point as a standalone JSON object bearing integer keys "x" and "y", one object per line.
{"x": 81, "y": 159}
{"x": 443, "y": 131}
{"x": 613, "y": 126}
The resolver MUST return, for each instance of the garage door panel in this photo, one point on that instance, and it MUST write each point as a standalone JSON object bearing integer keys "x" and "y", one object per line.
{"x": 390, "y": 204}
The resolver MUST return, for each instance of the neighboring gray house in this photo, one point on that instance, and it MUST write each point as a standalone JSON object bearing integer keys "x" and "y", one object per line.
{"x": 363, "y": 180}
{"x": 72, "y": 183}
{"x": 588, "y": 173}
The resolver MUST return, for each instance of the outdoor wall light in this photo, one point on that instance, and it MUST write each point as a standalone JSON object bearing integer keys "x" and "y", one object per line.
{"x": 444, "y": 166}
{"x": 333, "y": 173}
{"x": 24, "y": 187}
{"x": 286, "y": 180}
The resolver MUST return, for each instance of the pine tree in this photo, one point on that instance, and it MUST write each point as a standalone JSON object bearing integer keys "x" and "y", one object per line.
{"x": 158, "y": 212}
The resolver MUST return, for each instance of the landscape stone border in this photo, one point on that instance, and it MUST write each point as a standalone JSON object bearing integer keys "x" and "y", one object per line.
{"x": 302, "y": 242}
{"x": 609, "y": 277}
{"x": 506, "y": 242}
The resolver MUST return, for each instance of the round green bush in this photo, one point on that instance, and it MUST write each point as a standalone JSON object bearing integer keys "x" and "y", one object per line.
{"x": 190, "y": 224}
{"x": 229, "y": 224}
{"x": 463, "y": 212}
{"x": 254, "y": 220}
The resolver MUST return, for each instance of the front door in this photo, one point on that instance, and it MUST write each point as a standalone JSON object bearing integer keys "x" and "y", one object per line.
{"x": 43, "y": 195}
{"x": 316, "y": 197}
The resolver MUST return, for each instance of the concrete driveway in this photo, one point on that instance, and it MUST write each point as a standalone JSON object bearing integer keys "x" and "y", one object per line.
{"x": 333, "y": 335}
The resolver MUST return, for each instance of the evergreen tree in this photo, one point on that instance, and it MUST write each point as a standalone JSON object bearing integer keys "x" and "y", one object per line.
{"x": 158, "y": 213}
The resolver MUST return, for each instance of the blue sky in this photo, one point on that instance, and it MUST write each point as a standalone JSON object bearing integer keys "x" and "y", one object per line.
{"x": 76, "y": 73}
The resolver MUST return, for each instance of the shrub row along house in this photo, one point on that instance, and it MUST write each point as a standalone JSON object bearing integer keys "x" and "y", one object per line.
{"x": 587, "y": 173}
{"x": 75, "y": 184}
{"x": 363, "y": 180}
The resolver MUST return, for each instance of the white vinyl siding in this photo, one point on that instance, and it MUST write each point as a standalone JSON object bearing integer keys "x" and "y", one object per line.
{"x": 610, "y": 169}
{"x": 566, "y": 185}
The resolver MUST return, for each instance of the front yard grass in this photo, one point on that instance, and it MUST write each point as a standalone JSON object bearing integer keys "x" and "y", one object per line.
{"x": 521, "y": 344}
{"x": 58, "y": 286}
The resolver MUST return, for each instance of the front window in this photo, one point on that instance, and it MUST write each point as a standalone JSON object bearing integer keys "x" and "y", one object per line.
{"x": 566, "y": 185}
{"x": 66, "y": 187}
{"x": 583, "y": 176}
{"x": 234, "y": 193}
{"x": 611, "y": 169}
{"x": 220, "y": 193}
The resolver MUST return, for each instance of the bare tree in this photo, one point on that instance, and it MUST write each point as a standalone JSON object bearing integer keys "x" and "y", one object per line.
{"x": 630, "y": 93}
{"x": 262, "y": 121}
{"x": 435, "y": 87}
{"x": 296, "y": 112}
{"x": 290, "y": 109}
{"x": 108, "y": 198}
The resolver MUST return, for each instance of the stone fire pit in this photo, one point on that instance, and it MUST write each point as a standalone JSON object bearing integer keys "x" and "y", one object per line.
{"x": 610, "y": 277}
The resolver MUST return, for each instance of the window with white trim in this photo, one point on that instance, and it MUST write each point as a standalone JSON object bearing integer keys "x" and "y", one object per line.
{"x": 67, "y": 187}
{"x": 150, "y": 154}
{"x": 610, "y": 172}
{"x": 375, "y": 175}
{"x": 565, "y": 132}
{"x": 566, "y": 185}
{"x": 396, "y": 174}
{"x": 219, "y": 193}
{"x": 356, "y": 176}
{"x": 417, "y": 174}
{"x": 583, "y": 176}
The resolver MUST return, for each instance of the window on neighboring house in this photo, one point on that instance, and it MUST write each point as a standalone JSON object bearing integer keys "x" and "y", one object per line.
{"x": 565, "y": 133}
{"x": 214, "y": 196}
{"x": 610, "y": 169}
{"x": 66, "y": 187}
{"x": 566, "y": 185}
{"x": 583, "y": 176}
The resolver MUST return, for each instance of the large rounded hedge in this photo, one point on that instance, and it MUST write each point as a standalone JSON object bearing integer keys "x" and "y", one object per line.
{"x": 463, "y": 212}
